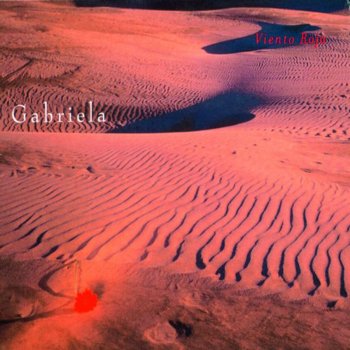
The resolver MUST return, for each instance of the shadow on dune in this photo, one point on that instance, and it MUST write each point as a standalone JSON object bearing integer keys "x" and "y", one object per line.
{"x": 191, "y": 5}
{"x": 249, "y": 43}
{"x": 224, "y": 110}
{"x": 62, "y": 310}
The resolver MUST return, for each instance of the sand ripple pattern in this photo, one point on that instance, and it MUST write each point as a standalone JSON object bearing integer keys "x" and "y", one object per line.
{"x": 125, "y": 99}
{"x": 167, "y": 209}
{"x": 179, "y": 201}
{"x": 303, "y": 91}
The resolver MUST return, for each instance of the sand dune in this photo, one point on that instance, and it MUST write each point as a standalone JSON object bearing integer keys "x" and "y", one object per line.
{"x": 237, "y": 179}
{"x": 183, "y": 208}
{"x": 186, "y": 79}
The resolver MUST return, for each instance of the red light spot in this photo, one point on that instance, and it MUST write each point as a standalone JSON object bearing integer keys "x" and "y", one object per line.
{"x": 85, "y": 301}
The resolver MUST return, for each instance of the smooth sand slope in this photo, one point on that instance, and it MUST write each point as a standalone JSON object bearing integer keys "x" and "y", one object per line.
{"x": 233, "y": 235}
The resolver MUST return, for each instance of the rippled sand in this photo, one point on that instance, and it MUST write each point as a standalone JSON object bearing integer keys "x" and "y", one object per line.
{"x": 231, "y": 236}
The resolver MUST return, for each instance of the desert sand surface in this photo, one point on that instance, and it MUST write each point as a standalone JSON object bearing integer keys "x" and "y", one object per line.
{"x": 210, "y": 210}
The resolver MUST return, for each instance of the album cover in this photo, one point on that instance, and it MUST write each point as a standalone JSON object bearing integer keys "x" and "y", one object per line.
{"x": 174, "y": 174}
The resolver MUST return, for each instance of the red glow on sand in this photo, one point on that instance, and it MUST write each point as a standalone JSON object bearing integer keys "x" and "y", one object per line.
{"x": 85, "y": 301}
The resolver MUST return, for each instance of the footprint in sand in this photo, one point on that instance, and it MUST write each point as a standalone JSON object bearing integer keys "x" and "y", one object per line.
{"x": 182, "y": 329}
{"x": 169, "y": 332}
{"x": 17, "y": 302}
{"x": 162, "y": 333}
{"x": 91, "y": 169}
